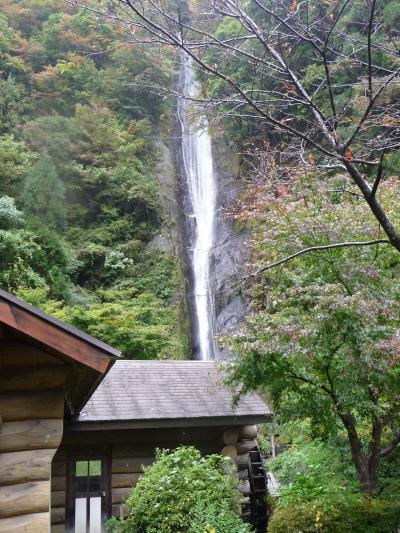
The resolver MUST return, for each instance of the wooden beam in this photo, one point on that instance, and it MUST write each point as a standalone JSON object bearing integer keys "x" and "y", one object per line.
{"x": 177, "y": 423}
{"x": 23, "y": 467}
{"x": 16, "y": 500}
{"x": 124, "y": 480}
{"x": 58, "y": 468}
{"x": 57, "y": 515}
{"x": 244, "y": 446}
{"x": 58, "y": 483}
{"x": 58, "y": 528}
{"x": 34, "y": 378}
{"x": 49, "y": 334}
{"x": 130, "y": 464}
{"x": 242, "y": 460}
{"x": 21, "y": 354}
{"x": 30, "y": 435}
{"x": 29, "y": 523}
{"x": 58, "y": 498}
{"x": 120, "y": 495}
{"x": 24, "y": 405}
{"x": 119, "y": 510}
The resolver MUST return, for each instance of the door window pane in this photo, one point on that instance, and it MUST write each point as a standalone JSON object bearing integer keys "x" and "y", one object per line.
{"x": 80, "y": 515}
{"x": 81, "y": 468}
{"x": 95, "y": 468}
{"x": 95, "y": 515}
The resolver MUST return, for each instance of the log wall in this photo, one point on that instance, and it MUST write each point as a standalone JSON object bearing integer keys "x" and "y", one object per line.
{"x": 238, "y": 443}
{"x": 31, "y": 427}
{"x": 131, "y": 449}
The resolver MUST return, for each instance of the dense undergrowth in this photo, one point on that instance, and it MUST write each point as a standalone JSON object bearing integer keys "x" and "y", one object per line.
{"x": 79, "y": 194}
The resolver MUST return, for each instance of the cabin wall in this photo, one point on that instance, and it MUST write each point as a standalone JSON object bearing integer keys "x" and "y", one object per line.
{"x": 129, "y": 450}
{"x": 31, "y": 428}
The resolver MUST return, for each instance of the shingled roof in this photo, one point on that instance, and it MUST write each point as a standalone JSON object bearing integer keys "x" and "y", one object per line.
{"x": 168, "y": 393}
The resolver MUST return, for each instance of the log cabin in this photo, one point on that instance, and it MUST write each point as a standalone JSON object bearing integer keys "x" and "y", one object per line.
{"x": 78, "y": 424}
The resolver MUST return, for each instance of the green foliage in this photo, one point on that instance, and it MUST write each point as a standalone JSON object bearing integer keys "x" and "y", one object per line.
{"x": 10, "y": 216}
{"x": 91, "y": 202}
{"x": 17, "y": 260}
{"x": 15, "y": 161}
{"x": 34, "y": 259}
{"x": 10, "y": 54}
{"x": 44, "y": 194}
{"x": 217, "y": 517}
{"x": 324, "y": 331}
{"x": 334, "y": 515}
{"x": 310, "y": 470}
{"x": 130, "y": 84}
{"x": 141, "y": 326}
{"x": 11, "y": 104}
{"x": 392, "y": 15}
{"x": 31, "y": 259}
{"x": 185, "y": 492}
{"x": 389, "y": 480}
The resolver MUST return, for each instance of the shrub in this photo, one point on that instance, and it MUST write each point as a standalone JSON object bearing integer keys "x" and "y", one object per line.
{"x": 184, "y": 492}
{"x": 328, "y": 516}
{"x": 216, "y": 517}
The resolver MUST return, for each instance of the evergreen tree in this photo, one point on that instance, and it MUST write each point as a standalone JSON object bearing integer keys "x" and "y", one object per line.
{"x": 44, "y": 194}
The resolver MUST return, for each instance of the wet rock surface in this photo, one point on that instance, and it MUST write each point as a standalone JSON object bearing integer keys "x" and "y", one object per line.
{"x": 230, "y": 248}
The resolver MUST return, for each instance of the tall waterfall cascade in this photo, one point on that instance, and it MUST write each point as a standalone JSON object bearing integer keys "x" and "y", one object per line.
{"x": 202, "y": 188}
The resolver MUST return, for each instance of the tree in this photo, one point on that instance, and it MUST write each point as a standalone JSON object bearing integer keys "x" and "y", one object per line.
{"x": 322, "y": 75}
{"x": 11, "y": 104}
{"x": 323, "y": 338}
{"x": 337, "y": 364}
{"x": 15, "y": 160}
{"x": 44, "y": 194}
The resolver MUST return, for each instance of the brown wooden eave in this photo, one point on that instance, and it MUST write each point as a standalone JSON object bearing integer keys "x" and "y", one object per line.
{"x": 206, "y": 421}
{"x": 87, "y": 359}
{"x": 51, "y": 332}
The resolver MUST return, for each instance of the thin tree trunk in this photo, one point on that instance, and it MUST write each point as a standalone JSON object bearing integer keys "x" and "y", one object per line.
{"x": 367, "y": 465}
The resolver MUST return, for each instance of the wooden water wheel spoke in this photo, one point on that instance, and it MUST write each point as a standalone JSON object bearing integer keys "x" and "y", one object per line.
{"x": 259, "y": 490}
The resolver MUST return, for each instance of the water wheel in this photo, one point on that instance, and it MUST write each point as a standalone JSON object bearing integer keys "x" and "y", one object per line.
{"x": 256, "y": 511}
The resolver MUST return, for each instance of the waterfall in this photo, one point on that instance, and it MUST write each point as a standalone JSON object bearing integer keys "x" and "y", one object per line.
{"x": 199, "y": 173}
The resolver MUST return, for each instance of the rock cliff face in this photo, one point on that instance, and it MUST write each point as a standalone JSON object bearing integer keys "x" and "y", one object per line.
{"x": 172, "y": 238}
{"x": 230, "y": 250}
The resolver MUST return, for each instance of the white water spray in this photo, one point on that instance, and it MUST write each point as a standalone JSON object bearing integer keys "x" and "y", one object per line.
{"x": 198, "y": 167}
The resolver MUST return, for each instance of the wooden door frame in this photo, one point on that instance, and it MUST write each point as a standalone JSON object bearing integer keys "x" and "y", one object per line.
{"x": 87, "y": 453}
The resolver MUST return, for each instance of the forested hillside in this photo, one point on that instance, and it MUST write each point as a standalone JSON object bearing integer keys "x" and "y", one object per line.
{"x": 79, "y": 194}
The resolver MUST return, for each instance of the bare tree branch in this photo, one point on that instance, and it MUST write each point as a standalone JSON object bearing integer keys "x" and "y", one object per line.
{"x": 317, "y": 249}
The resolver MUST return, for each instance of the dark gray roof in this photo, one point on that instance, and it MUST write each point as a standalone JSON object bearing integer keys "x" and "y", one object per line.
{"x": 168, "y": 390}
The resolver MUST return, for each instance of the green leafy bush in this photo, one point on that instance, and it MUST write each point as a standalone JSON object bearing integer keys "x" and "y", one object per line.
{"x": 184, "y": 492}
{"x": 310, "y": 470}
{"x": 332, "y": 516}
{"x": 216, "y": 517}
